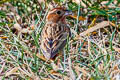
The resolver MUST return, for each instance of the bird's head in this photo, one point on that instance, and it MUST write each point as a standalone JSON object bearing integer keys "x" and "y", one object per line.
{"x": 58, "y": 14}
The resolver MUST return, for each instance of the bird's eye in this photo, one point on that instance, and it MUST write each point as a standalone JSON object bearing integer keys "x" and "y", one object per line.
{"x": 58, "y": 12}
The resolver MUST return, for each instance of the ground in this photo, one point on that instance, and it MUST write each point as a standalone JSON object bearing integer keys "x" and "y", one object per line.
{"x": 91, "y": 53}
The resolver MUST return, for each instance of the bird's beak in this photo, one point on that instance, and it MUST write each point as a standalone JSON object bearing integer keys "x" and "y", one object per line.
{"x": 68, "y": 13}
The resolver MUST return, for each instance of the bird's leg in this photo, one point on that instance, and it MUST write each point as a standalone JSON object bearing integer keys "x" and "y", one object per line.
{"x": 60, "y": 55}
{"x": 51, "y": 61}
{"x": 56, "y": 66}
{"x": 55, "y": 62}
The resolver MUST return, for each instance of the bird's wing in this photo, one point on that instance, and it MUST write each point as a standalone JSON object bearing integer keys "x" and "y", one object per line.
{"x": 54, "y": 38}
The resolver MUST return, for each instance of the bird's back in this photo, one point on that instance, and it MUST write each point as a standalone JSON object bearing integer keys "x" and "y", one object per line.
{"x": 53, "y": 38}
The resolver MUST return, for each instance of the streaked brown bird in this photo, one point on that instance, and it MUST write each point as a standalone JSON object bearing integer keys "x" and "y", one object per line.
{"x": 55, "y": 32}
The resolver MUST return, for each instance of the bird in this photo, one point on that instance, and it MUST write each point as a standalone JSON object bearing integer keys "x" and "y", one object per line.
{"x": 55, "y": 32}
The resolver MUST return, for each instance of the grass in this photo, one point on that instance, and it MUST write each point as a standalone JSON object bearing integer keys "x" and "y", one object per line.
{"x": 95, "y": 56}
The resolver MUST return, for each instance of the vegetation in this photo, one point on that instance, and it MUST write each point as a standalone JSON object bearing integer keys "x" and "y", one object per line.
{"x": 92, "y": 53}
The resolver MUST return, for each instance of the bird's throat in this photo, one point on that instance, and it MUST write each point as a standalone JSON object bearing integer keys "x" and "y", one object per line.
{"x": 62, "y": 20}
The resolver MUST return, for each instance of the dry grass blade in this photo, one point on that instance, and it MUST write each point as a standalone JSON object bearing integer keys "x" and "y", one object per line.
{"x": 98, "y": 26}
{"x": 4, "y": 37}
{"x": 72, "y": 75}
{"x": 116, "y": 49}
{"x": 2, "y": 68}
{"x": 74, "y": 32}
{"x": 80, "y": 17}
{"x": 55, "y": 73}
{"x": 28, "y": 72}
{"x": 12, "y": 71}
{"x": 82, "y": 70}
{"x": 25, "y": 72}
{"x": 41, "y": 57}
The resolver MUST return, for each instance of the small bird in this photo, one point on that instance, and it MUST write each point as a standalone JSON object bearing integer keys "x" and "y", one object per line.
{"x": 55, "y": 32}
